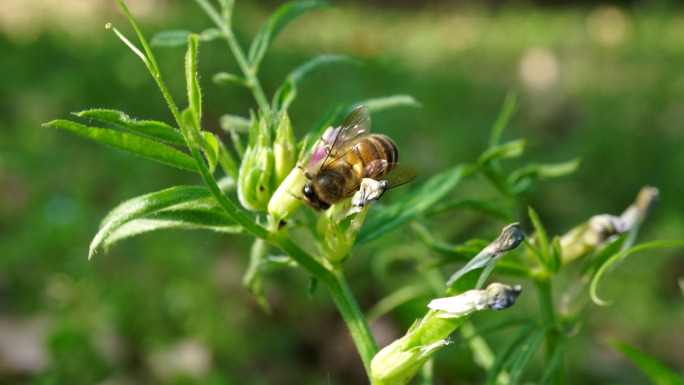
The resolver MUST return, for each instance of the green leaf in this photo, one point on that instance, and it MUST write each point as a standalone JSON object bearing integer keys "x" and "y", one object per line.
{"x": 526, "y": 350}
{"x": 596, "y": 279}
{"x": 253, "y": 278}
{"x": 284, "y": 95}
{"x": 133, "y": 143}
{"x": 142, "y": 206}
{"x": 194, "y": 92}
{"x": 275, "y": 24}
{"x": 172, "y": 38}
{"x": 211, "y": 150}
{"x": 487, "y": 207}
{"x": 183, "y": 219}
{"x": 413, "y": 204}
{"x": 150, "y": 128}
{"x": 542, "y": 238}
{"x": 505, "y": 350}
{"x": 235, "y": 123}
{"x": 555, "y": 362}
{"x": 319, "y": 62}
{"x": 507, "y": 111}
{"x": 658, "y": 373}
{"x": 510, "y": 149}
{"x": 544, "y": 171}
{"x": 387, "y": 102}
{"x": 209, "y": 34}
{"x": 225, "y": 77}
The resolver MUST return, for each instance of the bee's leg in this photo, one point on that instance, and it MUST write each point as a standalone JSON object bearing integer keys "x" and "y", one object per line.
{"x": 328, "y": 146}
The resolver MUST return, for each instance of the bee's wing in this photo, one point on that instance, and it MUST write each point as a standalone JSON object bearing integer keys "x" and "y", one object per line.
{"x": 400, "y": 174}
{"x": 356, "y": 126}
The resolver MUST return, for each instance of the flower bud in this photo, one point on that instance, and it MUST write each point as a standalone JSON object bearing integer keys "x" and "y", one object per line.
{"x": 284, "y": 148}
{"x": 286, "y": 200}
{"x": 338, "y": 228}
{"x": 397, "y": 363}
{"x": 255, "y": 179}
{"x": 590, "y": 235}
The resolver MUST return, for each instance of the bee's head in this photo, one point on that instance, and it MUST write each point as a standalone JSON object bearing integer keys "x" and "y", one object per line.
{"x": 311, "y": 198}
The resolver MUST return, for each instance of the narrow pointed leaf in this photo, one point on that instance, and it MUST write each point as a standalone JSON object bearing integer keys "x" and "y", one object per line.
{"x": 387, "y": 102}
{"x": 414, "y": 203}
{"x": 211, "y": 150}
{"x": 507, "y": 111}
{"x": 275, "y": 24}
{"x": 542, "y": 238}
{"x": 153, "y": 129}
{"x": 194, "y": 92}
{"x": 142, "y": 206}
{"x": 225, "y": 77}
{"x": 171, "y": 38}
{"x": 555, "y": 361}
{"x": 544, "y": 171}
{"x": 658, "y": 373}
{"x": 319, "y": 62}
{"x": 284, "y": 95}
{"x": 235, "y": 123}
{"x": 527, "y": 349}
{"x": 209, "y": 34}
{"x": 183, "y": 219}
{"x": 505, "y": 351}
{"x": 133, "y": 143}
{"x": 510, "y": 149}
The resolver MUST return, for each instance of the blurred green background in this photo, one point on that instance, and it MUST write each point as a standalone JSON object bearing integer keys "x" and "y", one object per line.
{"x": 604, "y": 83}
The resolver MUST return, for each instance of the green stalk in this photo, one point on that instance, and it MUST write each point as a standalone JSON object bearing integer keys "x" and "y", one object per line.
{"x": 552, "y": 336}
{"x": 337, "y": 286}
{"x": 239, "y": 54}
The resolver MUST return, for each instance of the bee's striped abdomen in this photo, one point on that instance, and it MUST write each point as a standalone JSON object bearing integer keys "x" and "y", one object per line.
{"x": 371, "y": 148}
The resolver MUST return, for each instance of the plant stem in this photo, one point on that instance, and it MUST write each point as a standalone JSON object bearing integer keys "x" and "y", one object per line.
{"x": 337, "y": 286}
{"x": 247, "y": 70}
{"x": 548, "y": 315}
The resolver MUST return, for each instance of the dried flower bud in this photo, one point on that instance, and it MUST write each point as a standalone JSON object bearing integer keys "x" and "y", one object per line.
{"x": 497, "y": 297}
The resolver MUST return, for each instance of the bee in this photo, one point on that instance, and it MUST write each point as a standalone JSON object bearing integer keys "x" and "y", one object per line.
{"x": 354, "y": 155}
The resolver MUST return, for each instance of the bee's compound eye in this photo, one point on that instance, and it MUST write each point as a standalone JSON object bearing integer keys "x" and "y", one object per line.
{"x": 308, "y": 190}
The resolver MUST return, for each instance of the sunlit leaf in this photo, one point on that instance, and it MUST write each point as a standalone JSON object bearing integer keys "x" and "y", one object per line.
{"x": 183, "y": 219}
{"x": 153, "y": 129}
{"x": 235, "y": 123}
{"x": 209, "y": 34}
{"x": 544, "y": 171}
{"x": 658, "y": 373}
{"x": 275, "y": 24}
{"x": 386, "y": 103}
{"x": 319, "y": 62}
{"x": 414, "y": 203}
{"x": 172, "y": 38}
{"x": 510, "y": 149}
{"x": 225, "y": 77}
{"x": 210, "y": 149}
{"x": 142, "y": 206}
{"x": 192, "y": 82}
{"x": 133, "y": 143}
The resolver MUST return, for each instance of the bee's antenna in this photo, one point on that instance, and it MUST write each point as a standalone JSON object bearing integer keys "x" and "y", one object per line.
{"x": 294, "y": 196}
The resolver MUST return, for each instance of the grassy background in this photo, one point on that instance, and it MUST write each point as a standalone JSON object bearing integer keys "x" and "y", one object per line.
{"x": 605, "y": 84}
